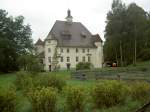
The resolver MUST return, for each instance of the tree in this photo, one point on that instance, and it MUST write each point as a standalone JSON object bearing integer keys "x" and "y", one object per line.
{"x": 15, "y": 40}
{"x": 55, "y": 61}
{"x": 137, "y": 22}
{"x": 115, "y": 32}
{"x": 126, "y": 32}
{"x": 29, "y": 62}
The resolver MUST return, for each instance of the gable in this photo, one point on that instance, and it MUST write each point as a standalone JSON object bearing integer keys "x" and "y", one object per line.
{"x": 71, "y": 35}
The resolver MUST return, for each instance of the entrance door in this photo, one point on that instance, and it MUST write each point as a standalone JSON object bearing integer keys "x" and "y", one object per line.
{"x": 68, "y": 66}
{"x": 50, "y": 68}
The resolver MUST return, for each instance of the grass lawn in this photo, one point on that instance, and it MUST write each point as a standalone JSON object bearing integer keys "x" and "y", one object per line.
{"x": 7, "y": 80}
{"x": 141, "y": 71}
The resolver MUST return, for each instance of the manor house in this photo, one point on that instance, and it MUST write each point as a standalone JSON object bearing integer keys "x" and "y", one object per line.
{"x": 69, "y": 43}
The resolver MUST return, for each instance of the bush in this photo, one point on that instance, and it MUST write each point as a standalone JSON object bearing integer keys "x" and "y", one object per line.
{"x": 83, "y": 66}
{"x": 43, "y": 100}
{"x": 7, "y": 100}
{"x": 144, "y": 69}
{"x": 140, "y": 90}
{"x": 47, "y": 80}
{"x": 30, "y": 63}
{"x": 75, "y": 98}
{"x": 24, "y": 81}
{"x": 109, "y": 93}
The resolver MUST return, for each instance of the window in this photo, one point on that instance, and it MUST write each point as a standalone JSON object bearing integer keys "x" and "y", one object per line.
{"x": 49, "y": 41}
{"x": 77, "y": 59}
{"x": 83, "y": 50}
{"x": 49, "y": 50}
{"x": 83, "y": 58}
{"x": 88, "y": 50}
{"x": 67, "y": 50}
{"x": 68, "y": 59}
{"x": 77, "y": 50}
{"x": 61, "y": 59}
{"x": 62, "y": 50}
{"x": 49, "y": 59}
{"x": 89, "y": 58}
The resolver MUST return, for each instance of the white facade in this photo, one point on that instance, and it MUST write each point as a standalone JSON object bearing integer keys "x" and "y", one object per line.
{"x": 71, "y": 55}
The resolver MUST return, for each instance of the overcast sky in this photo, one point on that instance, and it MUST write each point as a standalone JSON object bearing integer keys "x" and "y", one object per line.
{"x": 41, "y": 14}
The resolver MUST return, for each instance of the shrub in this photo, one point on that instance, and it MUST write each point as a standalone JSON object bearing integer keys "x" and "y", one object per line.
{"x": 30, "y": 63}
{"x": 144, "y": 69}
{"x": 75, "y": 98}
{"x": 23, "y": 81}
{"x": 47, "y": 80}
{"x": 108, "y": 93}
{"x": 83, "y": 66}
{"x": 7, "y": 100}
{"x": 140, "y": 90}
{"x": 43, "y": 100}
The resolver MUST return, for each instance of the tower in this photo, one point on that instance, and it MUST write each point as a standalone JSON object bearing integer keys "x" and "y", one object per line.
{"x": 69, "y": 18}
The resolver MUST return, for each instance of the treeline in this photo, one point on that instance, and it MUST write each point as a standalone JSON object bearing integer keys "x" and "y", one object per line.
{"x": 15, "y": 41}
{"x": 127, "y": 34}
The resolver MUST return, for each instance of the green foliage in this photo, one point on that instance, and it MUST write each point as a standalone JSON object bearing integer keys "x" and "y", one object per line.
{"x": 140, "y": 90}
{"x": 75, "y": 98}
{"x": 109, "y": 93}
{"x": 117, "y": 95}
{"x": 24, "y": 81}
{"x": 47, "y": 80}
{"x": 30, "y": 63}
{"x": 7, "y": 100}
{"x": 15, "y": 39}
{"x": 43, "y": 100}
{"x": 83, "y": 66}
{"x": 55, "y": 61}
{"x": 127, "y": 34}
{"x": 145, "y": 54}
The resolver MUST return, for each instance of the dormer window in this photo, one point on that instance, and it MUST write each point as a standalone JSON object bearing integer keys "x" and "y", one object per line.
{"x": 83, "y": 34}
{"x": 66, "y": 35}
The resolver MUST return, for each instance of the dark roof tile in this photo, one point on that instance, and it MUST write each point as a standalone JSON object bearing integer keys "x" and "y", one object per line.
{"x": 71, "y": 35}
{"x": 39, "y": 42}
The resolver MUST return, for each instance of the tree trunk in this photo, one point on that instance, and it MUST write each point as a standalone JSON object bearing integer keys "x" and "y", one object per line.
{"x": 135, "y": 45}
{"x": 121, "y": 54}
{"x": 116, "y": 57}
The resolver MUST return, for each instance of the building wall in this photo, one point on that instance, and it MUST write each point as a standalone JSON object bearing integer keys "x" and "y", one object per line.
{"x": 50, "y": 44}
{"x": 39, "y": 49}
{"x": 95, "y": 54}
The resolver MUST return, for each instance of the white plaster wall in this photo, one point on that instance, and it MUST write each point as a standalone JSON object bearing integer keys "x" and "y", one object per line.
{"x": 49, "y": 44}
{"x": 99, "y": 55}
{"x": 96, "y": 55}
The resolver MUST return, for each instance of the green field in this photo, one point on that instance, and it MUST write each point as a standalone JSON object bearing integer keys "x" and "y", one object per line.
{"x": 140, "y": 72}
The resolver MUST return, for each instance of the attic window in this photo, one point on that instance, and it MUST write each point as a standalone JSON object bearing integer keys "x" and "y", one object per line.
{"x": 66, "y": 35}
{"x": 83, "y": 34}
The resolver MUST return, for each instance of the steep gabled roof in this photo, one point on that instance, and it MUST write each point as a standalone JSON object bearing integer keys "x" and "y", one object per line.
{"x": 39, "y": 42}
{"x": 73, "y": 34}
{"x": 97, "y": 38}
